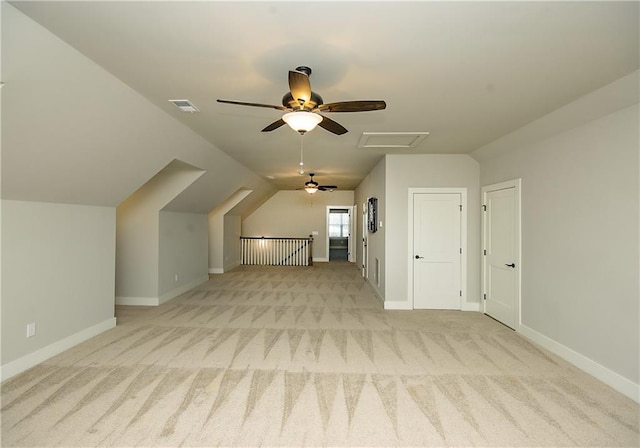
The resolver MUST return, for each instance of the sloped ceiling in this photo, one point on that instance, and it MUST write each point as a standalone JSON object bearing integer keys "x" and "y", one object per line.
{"x": 74, "y": 133}
{"x": 467, "y": 72}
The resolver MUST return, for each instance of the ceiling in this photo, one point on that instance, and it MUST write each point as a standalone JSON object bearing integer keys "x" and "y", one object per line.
{"x": 466, "y": 72}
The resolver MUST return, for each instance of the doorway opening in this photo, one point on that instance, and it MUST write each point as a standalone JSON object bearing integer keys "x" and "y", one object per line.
{"x": 339, "y": 233}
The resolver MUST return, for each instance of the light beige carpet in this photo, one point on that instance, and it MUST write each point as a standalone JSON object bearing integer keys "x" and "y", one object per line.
{"x": 286, "y": 356}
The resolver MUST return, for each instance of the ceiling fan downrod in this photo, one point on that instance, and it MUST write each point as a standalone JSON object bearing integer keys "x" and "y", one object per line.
{"x": 304, "y": 69}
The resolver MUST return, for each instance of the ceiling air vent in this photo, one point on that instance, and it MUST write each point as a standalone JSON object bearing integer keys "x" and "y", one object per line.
{"x": 184, "y": 105}
{"x": 399, "y": 140}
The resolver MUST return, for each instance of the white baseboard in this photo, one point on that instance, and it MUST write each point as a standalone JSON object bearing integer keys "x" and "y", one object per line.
{"x": 470, "y": 306}
{"x": 182, "y": 289}
{"x": 466, "y": 306}
{"x": 137, "y": 301}
{"x": 155, "y": 301}
{"x": 26, "y": 362}
{"x": 216, "y": 271}
{"x": 388, "y": 305}
{"x": 607, "y": 376}
{"x": 320, "y": 260}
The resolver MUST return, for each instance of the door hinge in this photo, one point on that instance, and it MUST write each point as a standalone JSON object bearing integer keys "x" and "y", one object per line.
{"x": 461, "y": 207}
{"x": 485, "y": 297}
{"x": 484, "y": 208}
{"x": 461, "y": 251}
{"x": 460, "y": 293}
{"x": 485, "y": 252}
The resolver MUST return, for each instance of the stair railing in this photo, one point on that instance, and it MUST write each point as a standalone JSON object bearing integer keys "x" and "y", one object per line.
{"x": 277, "y": 251}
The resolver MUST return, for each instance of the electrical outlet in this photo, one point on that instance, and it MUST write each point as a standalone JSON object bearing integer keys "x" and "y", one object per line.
{"x": 31, "y": 329}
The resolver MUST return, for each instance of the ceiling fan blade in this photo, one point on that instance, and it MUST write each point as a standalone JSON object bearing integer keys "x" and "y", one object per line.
{"x": 300, "y": 87}
{"x": 353, "y": 106}
{"x": 332, "y": 126}
{"x": 242, "y": 103}
{"x": 274, "y": 125}
{"x": 327, "y": 187}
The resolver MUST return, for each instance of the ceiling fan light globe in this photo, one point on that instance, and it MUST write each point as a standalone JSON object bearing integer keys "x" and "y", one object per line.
{"x": 302, "y": 121}
{"x": 311, "y": 190}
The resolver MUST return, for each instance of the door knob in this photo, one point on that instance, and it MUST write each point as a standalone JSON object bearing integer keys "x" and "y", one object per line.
{"x": 512, "y": 265}
{"x": 418, "y": 257}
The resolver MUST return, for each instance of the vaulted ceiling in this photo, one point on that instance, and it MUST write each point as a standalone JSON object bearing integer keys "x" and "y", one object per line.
{"x": 466, "y": 72}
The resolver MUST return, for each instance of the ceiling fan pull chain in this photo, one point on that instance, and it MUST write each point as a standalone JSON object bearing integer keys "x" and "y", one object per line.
{"x": 301, "y": 154}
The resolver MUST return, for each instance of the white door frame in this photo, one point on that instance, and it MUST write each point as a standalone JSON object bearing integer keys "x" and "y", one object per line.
{"x": 353, "y": 218}
{"x": 515, "y": 183}
{"x": 365, "y": 236}
{"x": 463, "y": 239}
{"x": 352, "y": 213}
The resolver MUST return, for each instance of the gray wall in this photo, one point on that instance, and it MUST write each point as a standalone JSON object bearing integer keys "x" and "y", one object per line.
{"x": 232, "y": 233}
{"x": 373, "y": 186}
{"x": 80, "y": 135}
{"x": 296, "y": 214}
{"x": 407, "y": 171}
{"x": 390, "y": 181}
{"x": 183, "y": 252}
{"x": 73, "y": 133}
{"x": 580, "y": 240}
{"x": 57, "y": 271}
{"x": 138, "y": 235}
{"x": 224, "y": 224}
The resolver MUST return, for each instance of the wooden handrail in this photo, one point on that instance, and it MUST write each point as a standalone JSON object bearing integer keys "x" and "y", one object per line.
{"x": 273, "y": 238}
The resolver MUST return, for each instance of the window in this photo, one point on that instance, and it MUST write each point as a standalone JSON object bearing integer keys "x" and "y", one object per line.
{"x": 339, "y": 224}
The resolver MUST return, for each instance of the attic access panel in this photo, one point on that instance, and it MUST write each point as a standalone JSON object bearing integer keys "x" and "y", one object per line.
{"x": 399, "y": 140}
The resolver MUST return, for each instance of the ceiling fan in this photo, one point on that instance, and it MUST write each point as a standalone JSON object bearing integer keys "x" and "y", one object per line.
{"x": 311, "y": 186}
{"x": 303, "y": 106}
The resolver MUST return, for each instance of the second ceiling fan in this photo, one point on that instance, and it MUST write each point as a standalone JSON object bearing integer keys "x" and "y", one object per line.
{"x": 304, "y": 106}
{"x": 311, "y": 186}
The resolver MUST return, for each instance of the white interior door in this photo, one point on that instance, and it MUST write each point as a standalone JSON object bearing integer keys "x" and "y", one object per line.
{"x": 437, "y": 251}
{"x": 501, "y": 253}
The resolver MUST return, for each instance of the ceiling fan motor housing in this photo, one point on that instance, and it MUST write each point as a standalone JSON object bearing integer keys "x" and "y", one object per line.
{"x": 311, "y": 182}
{"x": 289, "y": 102}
